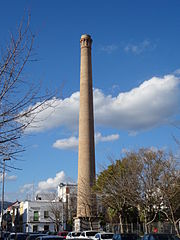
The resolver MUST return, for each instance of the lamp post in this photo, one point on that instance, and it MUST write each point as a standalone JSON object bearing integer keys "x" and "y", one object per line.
{"x": 2, "y": 201}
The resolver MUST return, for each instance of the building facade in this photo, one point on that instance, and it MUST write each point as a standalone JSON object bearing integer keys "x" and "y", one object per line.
{"x": 40, "y": 216}
{"x": 67, "y": 193}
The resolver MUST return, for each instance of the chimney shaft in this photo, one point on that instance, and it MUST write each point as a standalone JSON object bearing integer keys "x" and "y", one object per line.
{"x": 86, "y": 158}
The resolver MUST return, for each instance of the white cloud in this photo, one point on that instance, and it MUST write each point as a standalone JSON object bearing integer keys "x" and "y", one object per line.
{"x": 177, "y": 72}
{"x": 49, "y": 185}
{"x": 66, "y": 143}
{"x": 139, "y": 48}
{"x": 62, "y": 112}
{"x": 132, "y": 133}
{"x": 72, "y": 142}
{"x": 8, "y": 178}
{"x": 27, "y": 188}
{"x": 11, "y": 178}
{"x": 108, "y": 48}
{"x": 52, "y": 183}
{"x": 109, "y": 138}
{"x": 152, "y": 103}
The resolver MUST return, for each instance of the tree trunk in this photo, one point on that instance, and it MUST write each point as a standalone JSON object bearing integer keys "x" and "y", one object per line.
{"x": 145, "y": 224}
{"x": 176, "y": 229}
{"x": 90, "y": 222}
{"x": 120, "y": 222}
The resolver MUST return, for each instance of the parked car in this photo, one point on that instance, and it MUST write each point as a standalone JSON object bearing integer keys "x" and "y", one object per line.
{"x": 160, "y": 236}
{"x": 63, "y": 234}
{"x": 126, "y": 236}
{"x": 11, "y": 236}
{"x": 50, "y": 237}
{"x": 33, "y": 236}
{"x": 51, "y": 233}
{"x": 72, "y": 235}
{"x": 79, "y": 238}
{"x": 5, "y": 235}
{"x": 103, "y": 236}
{"x": 17, "y": 236}
{"x": 88, "y": 234}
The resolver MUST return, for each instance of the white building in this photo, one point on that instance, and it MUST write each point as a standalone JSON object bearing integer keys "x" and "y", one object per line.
{"x": 67, "y": 193}
{"x": 13, "y": 210}
{"x": 46, "y": 196}
{"x": 39, "y": 216}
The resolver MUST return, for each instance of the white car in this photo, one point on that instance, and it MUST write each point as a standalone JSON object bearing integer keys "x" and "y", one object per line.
{"x": 103, "y": 236}
{"x": 73, "y": 235}
{"x": 88, "y": 234}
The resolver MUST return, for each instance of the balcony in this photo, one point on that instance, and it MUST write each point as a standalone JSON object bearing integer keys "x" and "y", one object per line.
{"x": 34, "y": 219}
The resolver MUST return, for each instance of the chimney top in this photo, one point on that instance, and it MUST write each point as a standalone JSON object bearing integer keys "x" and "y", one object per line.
{"x": 87, "y": 36}
{"x": 85, "y": 41}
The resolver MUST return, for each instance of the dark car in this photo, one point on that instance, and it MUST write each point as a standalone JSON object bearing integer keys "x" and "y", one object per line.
{"x": 50, "y": 237}
{"x": 21, "y": 236}
{"x": 5, "y": 235}
{"x": 160, "y": 236}
{"x": 78, "y": 238}
{"x": 33, "y": 236}
{"x": 126, "y": 236}
{"x": 17, "y": 236}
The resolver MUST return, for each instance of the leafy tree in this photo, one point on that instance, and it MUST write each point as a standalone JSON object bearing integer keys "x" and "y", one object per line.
{"x": 147, "y": 180}
{"x": 117, "y": 186}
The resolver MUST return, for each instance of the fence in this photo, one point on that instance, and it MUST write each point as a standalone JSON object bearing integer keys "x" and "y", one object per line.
{"x": 140, "y": 228}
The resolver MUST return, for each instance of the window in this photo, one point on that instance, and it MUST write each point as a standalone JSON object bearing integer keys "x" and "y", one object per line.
{"x": 36, "y": 216}
{"x": 46, "y": 214}
{"x": 46, "y": 228}
{"x": 35, "y": 228}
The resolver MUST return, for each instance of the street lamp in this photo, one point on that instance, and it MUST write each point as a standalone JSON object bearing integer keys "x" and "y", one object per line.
{"x": 2, "y": 201}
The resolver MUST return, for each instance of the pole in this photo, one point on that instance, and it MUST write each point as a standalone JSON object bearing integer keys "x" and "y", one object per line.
{"x": 2, "y": 201}
{"x": 62, "y": 216}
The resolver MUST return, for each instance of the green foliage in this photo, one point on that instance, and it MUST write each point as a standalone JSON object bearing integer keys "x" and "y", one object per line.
{"x": 139, "y": 186}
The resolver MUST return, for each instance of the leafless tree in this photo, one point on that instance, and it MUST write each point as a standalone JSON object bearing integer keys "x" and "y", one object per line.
{"x": 71, "y": 207}
{"x": 149, "y": 202}
{"x": 20, "y": 99}
{"x": 170, "y": 192}
{"x": 57, "y": 213}
{"x": 88, "y": 205}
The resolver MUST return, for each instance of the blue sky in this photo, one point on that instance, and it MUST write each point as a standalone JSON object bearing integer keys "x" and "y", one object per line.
{"x": 136, "y": 62}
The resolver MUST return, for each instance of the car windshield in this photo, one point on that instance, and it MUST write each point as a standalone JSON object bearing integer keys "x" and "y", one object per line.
{"x": 107, "y": 236}
{"x": 91, "y": 234}
{"x": 76, "y": 234}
